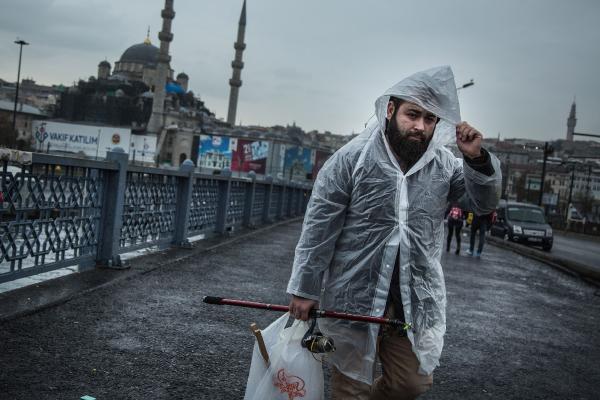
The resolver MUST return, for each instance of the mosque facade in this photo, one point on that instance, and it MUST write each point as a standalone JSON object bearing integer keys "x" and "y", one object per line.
{"x": 142, "y": 92}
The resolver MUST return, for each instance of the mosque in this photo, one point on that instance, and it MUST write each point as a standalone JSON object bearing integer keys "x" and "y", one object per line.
{"x": 138, "y": 63}
{"x": 140, "y": 91}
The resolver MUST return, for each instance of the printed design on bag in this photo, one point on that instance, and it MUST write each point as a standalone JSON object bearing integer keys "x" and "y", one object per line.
{"x": 290, "y": 384}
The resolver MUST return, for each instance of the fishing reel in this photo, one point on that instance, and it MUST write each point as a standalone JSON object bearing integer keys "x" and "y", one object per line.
{"x": 315, "y": 342}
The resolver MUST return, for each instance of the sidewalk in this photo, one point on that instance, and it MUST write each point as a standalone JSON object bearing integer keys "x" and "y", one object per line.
{"x": 38, "y": 296}
{"x": 516, "y": 328}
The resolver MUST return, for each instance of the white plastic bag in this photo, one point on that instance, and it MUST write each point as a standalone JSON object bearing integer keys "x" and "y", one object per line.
{"x": 293, "y": 372}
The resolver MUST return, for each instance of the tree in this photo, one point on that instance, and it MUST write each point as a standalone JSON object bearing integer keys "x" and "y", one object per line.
{"x": 586, "y": 201}
{"x": 521, "y": 188}
{"x": 8, "y": 137}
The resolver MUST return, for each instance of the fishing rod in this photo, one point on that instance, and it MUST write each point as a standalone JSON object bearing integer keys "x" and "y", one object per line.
{"x": 315, "y": 313}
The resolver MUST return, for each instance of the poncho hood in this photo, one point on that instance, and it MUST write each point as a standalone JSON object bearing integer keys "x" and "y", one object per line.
{"x": 435, "y": 91}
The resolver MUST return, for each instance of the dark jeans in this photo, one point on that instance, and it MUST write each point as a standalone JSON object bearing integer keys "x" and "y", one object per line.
{"x": 456, "y": 228}
{"x": 481, "y": 227}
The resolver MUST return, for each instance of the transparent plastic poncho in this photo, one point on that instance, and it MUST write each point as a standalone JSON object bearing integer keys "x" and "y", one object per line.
{"x": 364, "y": 212}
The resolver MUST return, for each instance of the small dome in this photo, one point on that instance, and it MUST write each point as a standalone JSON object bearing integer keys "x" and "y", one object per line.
{"x": 104, "y": 64}
{"x": 144, "y": 53}
{"x": 182, "y": 75}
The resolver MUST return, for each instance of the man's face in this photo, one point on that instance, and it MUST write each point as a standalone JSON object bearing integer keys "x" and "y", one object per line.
{"x": 409, "y": 131}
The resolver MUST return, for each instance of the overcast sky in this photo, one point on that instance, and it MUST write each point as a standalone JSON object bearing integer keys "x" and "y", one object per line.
{"x": 322, "y": 63}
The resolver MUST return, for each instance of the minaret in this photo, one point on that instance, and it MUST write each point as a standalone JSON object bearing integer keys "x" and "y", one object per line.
{"x": 571, "y": 123}
{"x": 156, "y": 122}
{"x": 103, "y": 70}
{"x": 235, "y": 82}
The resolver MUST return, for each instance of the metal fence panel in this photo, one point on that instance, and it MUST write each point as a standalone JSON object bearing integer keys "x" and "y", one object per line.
{"x": 203, "y": 210}
{"x": 149, "y": 209}
{"x": 275, "y": 199}
{"x": 49, "y": 217}
{"x": 235, "y": 210}
{"x": 259, "y": 204}
{"x": 63, "y": 211}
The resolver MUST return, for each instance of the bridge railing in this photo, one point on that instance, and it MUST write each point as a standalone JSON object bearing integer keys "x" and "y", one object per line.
{"x": 59, "y": 211}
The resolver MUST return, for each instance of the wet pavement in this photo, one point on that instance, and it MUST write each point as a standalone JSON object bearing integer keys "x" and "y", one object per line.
{"x": 579, "y": 248}
{"x": 517, "y": 328}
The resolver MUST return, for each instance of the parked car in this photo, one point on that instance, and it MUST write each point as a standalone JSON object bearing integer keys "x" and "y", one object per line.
{"x": 523, "y": 223}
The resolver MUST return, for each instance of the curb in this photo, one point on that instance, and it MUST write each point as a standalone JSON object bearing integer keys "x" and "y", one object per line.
{"x": 569, "y": 266}
{"x": 110, "y": 277}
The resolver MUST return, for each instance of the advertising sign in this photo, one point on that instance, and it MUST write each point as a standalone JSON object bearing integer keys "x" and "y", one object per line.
{"x": 298, "y": 162}
{"x": 550, "y": 199}
{"x": 533, "y": 183}
{"x": 320, "y": 158}
{"x": 250, "y": 156}
{"x": 91, "y": 141}
{"x": 142, "y": 148}
{"x": 216, "y": 151}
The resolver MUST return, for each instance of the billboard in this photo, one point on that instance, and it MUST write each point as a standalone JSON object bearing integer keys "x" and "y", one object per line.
{"x": 533, "y": 183}
{"x": 142, "y": 148}
{"x": 91, "y": 141}
{"x": 250, "y": 156}
{"x": 550, "y": 199}
{"x": 297, "y": 163}
{"x": 320, "y": 158}
{"x": 215, "y": 152}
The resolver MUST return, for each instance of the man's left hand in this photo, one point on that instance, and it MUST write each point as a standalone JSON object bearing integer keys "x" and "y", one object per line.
{"x": 468, "y": 140}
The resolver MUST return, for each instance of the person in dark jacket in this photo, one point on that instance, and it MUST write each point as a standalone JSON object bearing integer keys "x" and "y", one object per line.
{"x": 481, "y": 223}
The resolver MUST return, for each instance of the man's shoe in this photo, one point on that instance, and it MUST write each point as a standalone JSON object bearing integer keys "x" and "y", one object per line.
{"x": 457, "y": 252}
{"x": 477, "y": 254}
{"x": 469, "y": 252}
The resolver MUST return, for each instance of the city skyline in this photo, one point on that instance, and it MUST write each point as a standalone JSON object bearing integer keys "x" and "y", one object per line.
{"x": 322, "y": 66}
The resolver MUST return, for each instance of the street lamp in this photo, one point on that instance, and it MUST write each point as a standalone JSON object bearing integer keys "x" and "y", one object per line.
{"x": 21, "y": 43}
{"x": 466, "y": 85}
{"x": 548, "y": 149}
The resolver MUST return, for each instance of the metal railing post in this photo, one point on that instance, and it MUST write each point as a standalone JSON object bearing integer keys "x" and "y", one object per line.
{"x": 279, "y": 214}
{"x": 305, "y": 199}
{"x": 223, "y": 202}
{"x": 268, "y": 196}
{"x": 300, "y": 199}
{"x": 290, "y": 201}
{"x": 113, "y": 200}
{"x": 184, "y": 200}
{"x": 249, "y": 201}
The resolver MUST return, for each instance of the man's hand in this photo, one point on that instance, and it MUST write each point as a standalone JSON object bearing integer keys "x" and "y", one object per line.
{"x": 468, "y": 140}
{"x": 300, "y": 307}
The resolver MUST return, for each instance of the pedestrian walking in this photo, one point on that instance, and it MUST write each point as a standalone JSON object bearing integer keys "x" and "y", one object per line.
{"x": 454, "y": 223}
{"x": 480, "y": 224}
{"x": 373, "y": 233}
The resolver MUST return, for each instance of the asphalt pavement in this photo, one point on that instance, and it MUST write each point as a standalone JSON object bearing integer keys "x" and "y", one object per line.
{"x": 577, "y": 247}
{"x": 517, "y": 328}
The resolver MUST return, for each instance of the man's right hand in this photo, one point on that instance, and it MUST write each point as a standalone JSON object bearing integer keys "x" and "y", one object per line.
{"x": 300, "y": 307}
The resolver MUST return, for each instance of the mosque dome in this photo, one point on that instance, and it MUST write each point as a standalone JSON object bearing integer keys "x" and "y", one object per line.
{"x": 142, "y": 53}
{"x": 139, "y": 63}
{"x": 182, "y": 75}
{"x": 104, "y": 64}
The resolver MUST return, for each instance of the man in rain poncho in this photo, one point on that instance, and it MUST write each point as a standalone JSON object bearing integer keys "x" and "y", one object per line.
{"x": 373, "y": 233}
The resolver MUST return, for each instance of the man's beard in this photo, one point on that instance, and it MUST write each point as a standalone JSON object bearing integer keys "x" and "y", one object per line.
{"x": 408, "y": 150}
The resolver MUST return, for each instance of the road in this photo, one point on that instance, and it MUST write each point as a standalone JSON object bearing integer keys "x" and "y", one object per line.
{"x": 577, "y": 248}
{"x": 516, "y": 329}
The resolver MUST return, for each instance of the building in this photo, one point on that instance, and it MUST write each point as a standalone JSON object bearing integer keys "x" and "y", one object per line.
{"x": 25, "y": 116}
{"x": 138, "y": 93}
{"x": 139, "y": 63}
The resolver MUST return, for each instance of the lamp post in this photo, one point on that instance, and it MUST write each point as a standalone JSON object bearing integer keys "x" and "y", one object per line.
{"x": 506, "y": 179}
{"x": 466, "y": 85}
{"x": 571, "y": 188}
{"x": 21, "y": 43}
{"x": 548, "y": 149}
